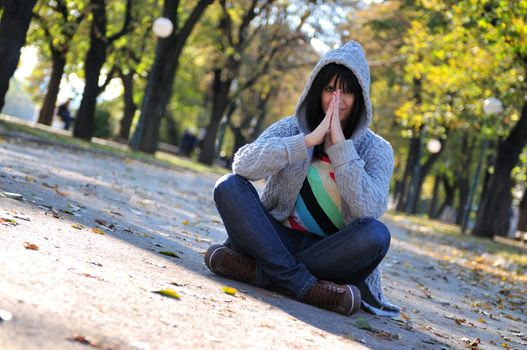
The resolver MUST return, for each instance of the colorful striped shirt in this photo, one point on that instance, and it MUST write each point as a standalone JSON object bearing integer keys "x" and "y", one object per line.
{"x": 318, "y": 208}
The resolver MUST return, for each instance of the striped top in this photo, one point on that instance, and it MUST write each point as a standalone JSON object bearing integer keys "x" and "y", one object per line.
{"x": 318, "y": 207}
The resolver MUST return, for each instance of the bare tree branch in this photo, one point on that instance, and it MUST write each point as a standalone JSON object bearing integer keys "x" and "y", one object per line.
{"x": 126, "y": 24}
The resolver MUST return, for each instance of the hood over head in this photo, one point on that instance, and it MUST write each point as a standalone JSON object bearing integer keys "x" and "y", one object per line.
{"x": 350, "y": 55}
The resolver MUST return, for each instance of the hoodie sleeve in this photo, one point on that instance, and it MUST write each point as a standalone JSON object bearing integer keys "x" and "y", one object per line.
{"x": 363, "y": 183}
{"x": 277, "y": 147}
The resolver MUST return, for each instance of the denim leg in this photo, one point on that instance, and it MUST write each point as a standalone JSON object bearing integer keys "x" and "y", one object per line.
{"x": 256, "y": 233}
{"x": 347, "y": 256}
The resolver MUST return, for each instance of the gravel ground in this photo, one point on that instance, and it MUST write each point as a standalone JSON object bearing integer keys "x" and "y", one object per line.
{"x": 81, "y": 261}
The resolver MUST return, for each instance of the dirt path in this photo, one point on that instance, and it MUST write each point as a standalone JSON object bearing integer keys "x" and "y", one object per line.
{"x": 84, "y": 286}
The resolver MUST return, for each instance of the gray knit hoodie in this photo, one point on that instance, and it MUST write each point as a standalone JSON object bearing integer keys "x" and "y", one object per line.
{"x": 363, "y": 164}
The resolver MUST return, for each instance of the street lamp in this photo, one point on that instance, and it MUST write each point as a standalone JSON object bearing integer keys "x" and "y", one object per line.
{"x": 433, "y": 146}
{"x": 491, "y": 106}
{"x": 162, "y": 27}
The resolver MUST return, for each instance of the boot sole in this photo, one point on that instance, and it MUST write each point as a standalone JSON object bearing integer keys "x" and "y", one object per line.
{"x": 208, "y": 257}
{"x": 355, "y": 300}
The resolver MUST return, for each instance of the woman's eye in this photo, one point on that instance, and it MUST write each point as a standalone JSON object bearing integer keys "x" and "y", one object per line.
{"x": 348, "y": 92}
{"x": 329, "y": 89}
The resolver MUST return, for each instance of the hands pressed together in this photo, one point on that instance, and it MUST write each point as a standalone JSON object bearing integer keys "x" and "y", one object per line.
{"x": 329, "y": 130}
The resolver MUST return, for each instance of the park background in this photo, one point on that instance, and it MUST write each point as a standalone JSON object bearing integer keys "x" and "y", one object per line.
{"x": 164, "y": 92}
{"x": 448, "y": 84}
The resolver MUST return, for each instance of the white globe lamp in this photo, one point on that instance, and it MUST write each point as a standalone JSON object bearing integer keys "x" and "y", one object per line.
{"x": 162, "y": 27}
{"x": 433, "y": 146}
{"x": 492, "y": 105}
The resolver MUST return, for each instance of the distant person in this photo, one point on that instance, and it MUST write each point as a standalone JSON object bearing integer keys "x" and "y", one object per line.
{"x": 188, "y": 143}
{"x": 314, "y": 234}
{"x": 64, "y": 113}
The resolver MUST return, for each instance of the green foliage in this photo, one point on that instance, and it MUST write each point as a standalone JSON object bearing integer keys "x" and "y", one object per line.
{"x": 102, "y": 123}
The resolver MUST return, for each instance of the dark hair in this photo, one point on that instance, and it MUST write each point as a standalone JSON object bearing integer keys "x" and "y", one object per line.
{"x": 345, "y": 80}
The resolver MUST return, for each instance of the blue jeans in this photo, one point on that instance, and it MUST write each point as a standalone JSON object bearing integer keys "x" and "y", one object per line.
{"x": 291, "y": 260}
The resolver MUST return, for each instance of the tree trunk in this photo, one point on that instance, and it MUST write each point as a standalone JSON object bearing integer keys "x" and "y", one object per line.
{"x": 463, "y": 174}
{"x": 522, "y": 223}
{"x": 450, "y": 194}
{"x": 14, "y": 24}
{"x": 220, "y": 101}
{"x": 48, "y": 107}
{"x": 172, "y": 129}
{"x": 401, "y": 193}
{"x": 95, "y": 58}
{"x": 85, "y": 119}
{"x": 494, "y": 211}
{"x": 432, "y": 212}
{"x": 425, "y": 169}
{"x": 162, "y": 75}
{"x": 129, "y": 105}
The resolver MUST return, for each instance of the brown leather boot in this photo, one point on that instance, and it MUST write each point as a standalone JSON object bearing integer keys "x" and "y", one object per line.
{"x": 225, "y": 262}
{"x": 343, "y": 299}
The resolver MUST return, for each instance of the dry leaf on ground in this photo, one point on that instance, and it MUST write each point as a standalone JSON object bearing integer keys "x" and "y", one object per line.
{"x": 170, "y": 293}
{"x": 98, "y": 231}
{"x": 229, "y": 290}
{"x": 30, "y": 246}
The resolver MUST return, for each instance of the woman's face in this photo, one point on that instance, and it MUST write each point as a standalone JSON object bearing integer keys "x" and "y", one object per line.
{"x": 346, "y": 99}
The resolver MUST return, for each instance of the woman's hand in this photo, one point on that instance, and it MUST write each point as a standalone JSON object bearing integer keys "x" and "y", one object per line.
{"x": 317, "y": 136}
{"x": 336, "y": 134}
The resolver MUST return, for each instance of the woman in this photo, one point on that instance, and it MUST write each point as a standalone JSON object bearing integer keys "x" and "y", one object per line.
{"x": 314, "y": 234}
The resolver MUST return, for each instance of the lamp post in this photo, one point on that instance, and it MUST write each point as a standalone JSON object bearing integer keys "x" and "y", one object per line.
{"x": 162, "y": 28}
{"x": 491, "y": 106}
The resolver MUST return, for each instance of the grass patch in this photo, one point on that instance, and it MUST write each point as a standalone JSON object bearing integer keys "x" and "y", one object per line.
{"x": 114, "y": 149}
{"x": 517, "y": 255}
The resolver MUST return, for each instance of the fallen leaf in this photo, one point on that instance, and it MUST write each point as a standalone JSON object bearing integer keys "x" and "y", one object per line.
{"x": 510, "y": 317}
{"x": 5, "y": 316}
{"x": 66, "y": 211}
{"x": 185, "y": 222}
{"x": 98, "y": 231}
{"x": 229, "y": 290}
{"x": 361, "y": 323}
{"x": 170, "y": 293}
{"x": 45, "y": 184}
{"x": 10, "y": 222}
{"x": 101, "y": 222}
{"x": 73, "y": 207}
{"x": 11, "y": 195}
{"x": 30, "y": 246}
{"x": 173, "y": 255}
{"x": 460, "y": 320}
{"x": 60, "y": 193}
{"x": 77, "y": 226}
{"x": 83, "y": 340}
{"x": 471, "y": 344}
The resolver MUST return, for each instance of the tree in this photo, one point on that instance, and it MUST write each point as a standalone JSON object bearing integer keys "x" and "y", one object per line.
{"x": 14, "y": 24}
{"x": 504, "y": 23}
{"x": 100, "y": 42}
{"x": 253, "y": 34}
{"x": 59, "y": 22}
{"x": 162, "y": 75}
